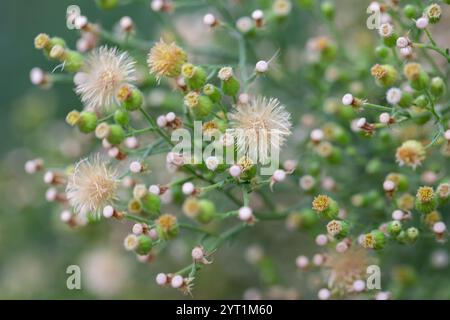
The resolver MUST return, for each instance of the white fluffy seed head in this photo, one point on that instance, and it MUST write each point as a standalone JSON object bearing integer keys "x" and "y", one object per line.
{"x": 388, "y": 185}
{"x": 422, "y": 23}
{"x": 321, "y": 240}
{"x": 209, "y": 19}
{"x": 402, "y": 42}
{"x": 439, "y": 227}
{"x": 154, "y": 189}
{"x": 161, "y": 279}
{"x": 302, "y": 262}
{"x": 197, "y": 253}
{"x": 385, "y": 118}
{"x": 324, "y": 294}
{"x": 138, "y": 229}
{"x": 359, "y": 285}
{"x": 108, "y": 211}
{"x": 347, "y": 99}
{"x": 245, "y": 213}
{"x": 361, "y": 122}
{"x": 135, "y": 167}
{"x": 161, "y": 121}
{"x": 447, "y": 135}
{"x": 212, "y": 163}
{"x": 279, "y": 175}
{"x": 398, "y": 215}
{"x": 317, "y": 135}
{"x": 393, "y": 95}
{"x": 262, "y": 66}
{"x": 171, "y": 116}
{"x": 65, "y": 216}
{"x": 257, "y": 14}
{"x": 235, "y": 171}
{"x": 188, "y": 188}
{"x": 177, "y": 281}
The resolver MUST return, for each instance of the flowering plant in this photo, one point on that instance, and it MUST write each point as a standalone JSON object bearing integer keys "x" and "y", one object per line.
{"x": 345, "y": 143}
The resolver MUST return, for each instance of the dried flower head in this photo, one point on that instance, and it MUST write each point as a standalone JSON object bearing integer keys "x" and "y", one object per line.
{"x": 92, "y": 186}
{"x": 321, "y": 203}
{"x": 166, "y": 59}
{"x": 345, "y": 268}
{"x": 425, "y": 194}
{"x": 411, "y": 153}
{"x": 104, "y": 72}
{"x": 166, "y": 222}
{"x": 261, "y": 128}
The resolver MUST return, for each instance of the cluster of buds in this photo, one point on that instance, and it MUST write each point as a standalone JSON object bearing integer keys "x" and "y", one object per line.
{"x": 405, "y": 47}
{"x": 176, "y": 281}
{"x": 170, "y": 120}
{"x": 174, "y": 161}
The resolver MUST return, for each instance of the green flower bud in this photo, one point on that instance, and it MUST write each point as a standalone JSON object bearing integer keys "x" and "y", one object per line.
{"x": 426, "y": 200}
{"x": 130, "y": 97}
{"x": 134, "y": 206}
{"x": 116, "y": 134}
{"x": 308, "y": 218}
{"x": 151, "y": 204}
{"x": 231, "y": 87}
{"x": 412, "y": 234}
{"x": 374, "y": 166}
{"x": 195, "y": 76}
{"x": 337, "y": 229}
{"x": 328, "y": 10}
{"x": 212, "y": 92}
{"x": 326, "y": 207}
{"x": 201, "y": 106}
{"x": 374, "y": 240}
{"x": 417, "y": 77}
{"x": 121, "y": 117}
{"x": 74, "y": 60}
{"x": 385, "y": 75}
{"x": 406, "y": 100}
{"x": 437, "y": 87}
{"x": 421, "y": 101}
{"x": 400, "y": 180}
{"x": 443, "y": 193}
{"x": 207, "y": 211}
{"x": 87, "y": 122}
{"x": 410, "y": 11}
{"x": 434, "y": 13}
{"x": 394, "y": 227}
{"x": 382, "y": 52}
{"x": 144, "y": 245}
{"x": 167, "y": 226}
{"x": 54, "y": 41}
{"x": 107, "y": 4}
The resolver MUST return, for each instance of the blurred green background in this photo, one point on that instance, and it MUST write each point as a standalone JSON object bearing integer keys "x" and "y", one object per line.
{"x": 36, "y": 248}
